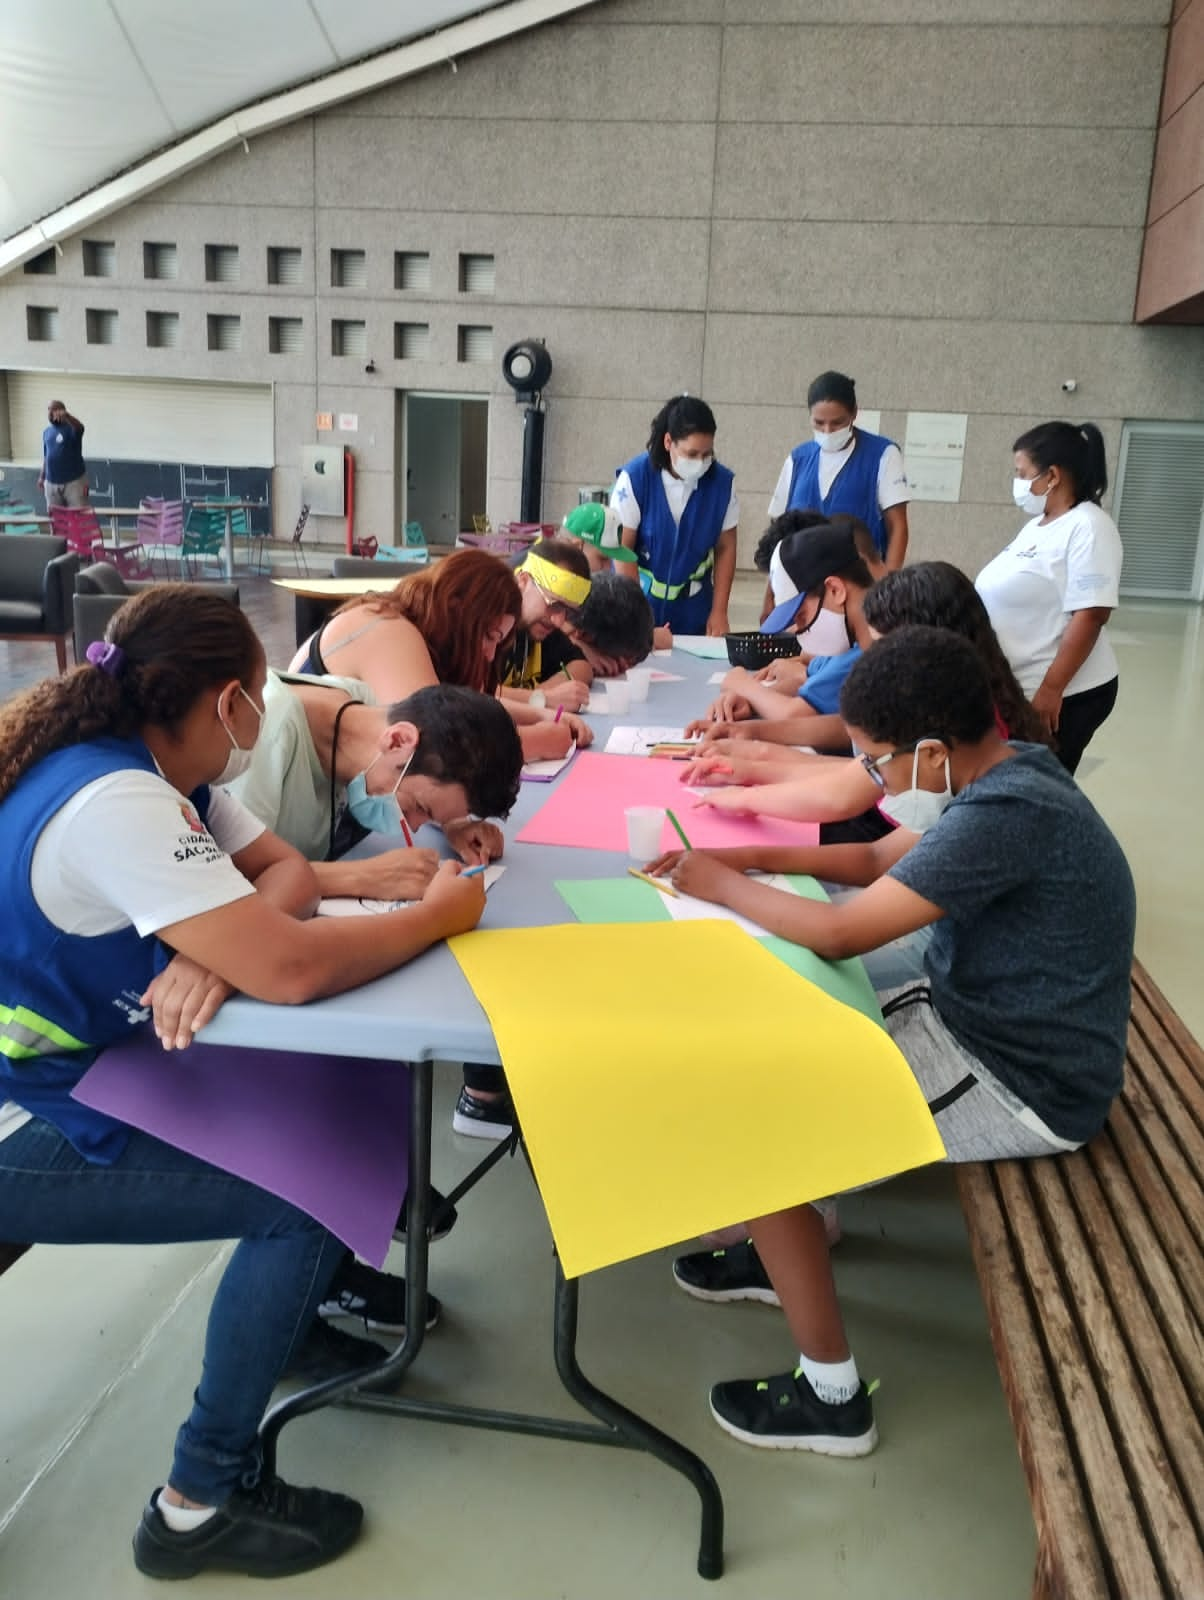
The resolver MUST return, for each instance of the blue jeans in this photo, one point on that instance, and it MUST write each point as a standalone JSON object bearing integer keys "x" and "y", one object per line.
{"x": 267, "y": 1298}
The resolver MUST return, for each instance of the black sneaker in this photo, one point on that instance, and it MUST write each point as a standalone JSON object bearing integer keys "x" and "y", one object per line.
{"x": 785, "y": 1413}
{"x": 327, "y": 1352}
{"x": 484, "y": 1119}
{"x": 443, "y": 1217}
{"x": 271, "y": 1531}
{"x": 732, "y": 1274}
{"x": 377, "y": 1299}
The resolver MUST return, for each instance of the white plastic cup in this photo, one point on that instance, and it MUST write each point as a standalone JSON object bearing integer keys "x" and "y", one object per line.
{"x": 618, "y": 697}
{"x": 645, "y": 825}
{"x": 639, "y": 681}
{"x": 597, "y": 702}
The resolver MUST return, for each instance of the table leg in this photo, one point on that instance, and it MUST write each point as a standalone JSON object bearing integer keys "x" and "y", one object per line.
{"x": 389, "y": 1372}
{"x": 228, "y": 553}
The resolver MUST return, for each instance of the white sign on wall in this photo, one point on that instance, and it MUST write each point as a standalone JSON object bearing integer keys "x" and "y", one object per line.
{"x": 349, "y": 422}
{"x": 934, "y": 449}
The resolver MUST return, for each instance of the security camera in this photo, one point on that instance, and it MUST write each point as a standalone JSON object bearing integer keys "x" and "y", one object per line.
{"x": 1069, "y": 385}
{"x": 371, "y": 367}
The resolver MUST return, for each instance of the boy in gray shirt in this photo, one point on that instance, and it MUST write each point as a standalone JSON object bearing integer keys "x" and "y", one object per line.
{"x": 1016, "y": 1033}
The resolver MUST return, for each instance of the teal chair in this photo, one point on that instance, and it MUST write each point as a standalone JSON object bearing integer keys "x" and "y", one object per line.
{"x": 17, "y": 509}
{"x": 204, "y": 535}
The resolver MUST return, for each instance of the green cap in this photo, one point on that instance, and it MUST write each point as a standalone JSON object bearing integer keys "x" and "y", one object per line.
{"x": 598, "y": 525}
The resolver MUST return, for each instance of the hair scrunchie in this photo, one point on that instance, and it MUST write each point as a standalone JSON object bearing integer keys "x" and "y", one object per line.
{"x": 109, "y": 658}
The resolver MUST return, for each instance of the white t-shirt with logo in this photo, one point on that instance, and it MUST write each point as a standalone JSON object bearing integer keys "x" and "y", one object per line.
{"x": 677, "y": 492}
{"x": 129, "y": 849}
{"x": 893, "y": 488}
{"x": 1048, "y": 572}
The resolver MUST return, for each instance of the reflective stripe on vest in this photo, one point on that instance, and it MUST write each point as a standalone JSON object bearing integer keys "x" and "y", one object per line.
{"x": 671, "y": 591}
{"x": 24, "y": 1034}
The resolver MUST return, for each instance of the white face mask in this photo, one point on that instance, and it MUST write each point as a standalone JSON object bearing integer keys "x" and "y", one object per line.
{"x": 690, "y": 468}
{"x": 1034, "y": 504}
{"x": 834, "y": 441}
{"x": 828, "y": 635}
{"x": 238, "y": 762}
{"x": 916, "y": 808}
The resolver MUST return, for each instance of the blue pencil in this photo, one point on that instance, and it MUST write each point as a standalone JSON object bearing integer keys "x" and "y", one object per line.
{"x": 475, "y": 872}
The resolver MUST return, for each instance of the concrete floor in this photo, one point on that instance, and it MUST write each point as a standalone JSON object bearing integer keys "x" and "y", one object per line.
{"x": 98, "y": 1347}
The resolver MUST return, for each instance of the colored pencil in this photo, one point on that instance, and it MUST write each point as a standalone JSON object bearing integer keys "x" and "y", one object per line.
{"x": 657, "y": 883}
{"x": 475, "y": 872}
{"x": 559, "y": 714}
{"x": 679, "y": 830}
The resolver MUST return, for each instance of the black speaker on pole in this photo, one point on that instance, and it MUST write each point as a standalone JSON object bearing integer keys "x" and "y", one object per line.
{"x": 526, "y": 367}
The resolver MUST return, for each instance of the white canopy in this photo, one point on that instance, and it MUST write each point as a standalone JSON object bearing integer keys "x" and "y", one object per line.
{"x": 91, "y": 88}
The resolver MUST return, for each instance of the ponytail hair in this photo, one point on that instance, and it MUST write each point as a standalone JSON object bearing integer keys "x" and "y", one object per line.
{"x": 173, "y": 642}
{"x": 1077, "y": 448}
{"x": 833, "y": 386}
{"x": 937, "y": 594}
{"x": 679, "y": 418}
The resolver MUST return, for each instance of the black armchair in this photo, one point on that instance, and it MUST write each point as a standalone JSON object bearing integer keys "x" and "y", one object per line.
{"x": 100, "y": 590}
{"x": 37, "y": 576}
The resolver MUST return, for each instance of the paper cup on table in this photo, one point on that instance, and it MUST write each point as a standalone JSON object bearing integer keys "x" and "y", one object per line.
{"x": 597, "y": 702}
{"x": 618, "y": 697}
{"x": 639, "y": 681}
{"x": 644, "y": 827}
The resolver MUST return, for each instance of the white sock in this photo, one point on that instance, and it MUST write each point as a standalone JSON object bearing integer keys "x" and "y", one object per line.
{"x": 183, "y": 1519}
{"x": 834, "y": 1382}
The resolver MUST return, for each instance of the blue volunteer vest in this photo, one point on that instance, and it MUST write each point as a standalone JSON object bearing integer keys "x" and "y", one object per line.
{"x": 854, "y": 488}
{"x": 64, "y": 997}
{"x": 673, "y": 558}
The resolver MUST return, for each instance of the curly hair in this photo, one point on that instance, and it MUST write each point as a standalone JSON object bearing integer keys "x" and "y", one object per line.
{"x": 939, "y": 595}
{"x": 920, "y": 683}
{"x": 177, "y": 641}
{"x": 453, "y": 604}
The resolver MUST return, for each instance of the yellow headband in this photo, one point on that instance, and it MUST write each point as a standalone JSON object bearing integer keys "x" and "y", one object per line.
{"x": 553, "y": 580}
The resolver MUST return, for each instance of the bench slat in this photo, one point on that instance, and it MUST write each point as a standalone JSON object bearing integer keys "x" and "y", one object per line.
{"x": 1125, "y": 1548}
{"x": 1190, "y": 1052}
{"x": 1069, "y": 1565}
{"x": 1153, "y": 1049}
{"x": 1126, "y": 1346}
{"x": 1176, "y": 1178}
{"x": 1178, "y": 1311}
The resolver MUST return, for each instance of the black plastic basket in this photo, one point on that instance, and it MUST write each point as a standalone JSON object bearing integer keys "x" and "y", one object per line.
{"x": 757, "y": 650}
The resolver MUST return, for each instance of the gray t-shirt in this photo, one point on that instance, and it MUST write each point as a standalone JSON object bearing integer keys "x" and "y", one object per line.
{"x": 1030, "y": 964}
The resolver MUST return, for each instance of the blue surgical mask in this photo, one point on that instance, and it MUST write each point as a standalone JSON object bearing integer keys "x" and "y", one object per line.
{"x": 379, "y": 813}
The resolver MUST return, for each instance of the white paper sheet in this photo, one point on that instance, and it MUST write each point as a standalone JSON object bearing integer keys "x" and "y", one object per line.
{"x": 342, "y": 906}
{"x": 685, "y": 908}
{"x": 637, "y": 741}
{"x": 545, "y": 771}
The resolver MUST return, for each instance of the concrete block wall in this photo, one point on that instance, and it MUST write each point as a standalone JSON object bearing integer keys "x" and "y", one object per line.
{"x": 944, "y": 198}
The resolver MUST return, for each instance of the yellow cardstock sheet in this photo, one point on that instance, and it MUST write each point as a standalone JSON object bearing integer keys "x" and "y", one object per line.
{"x": 676, "y": 1077}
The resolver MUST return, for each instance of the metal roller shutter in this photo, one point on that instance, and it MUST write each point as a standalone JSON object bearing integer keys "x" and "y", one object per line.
{"x": 147, "y": 419}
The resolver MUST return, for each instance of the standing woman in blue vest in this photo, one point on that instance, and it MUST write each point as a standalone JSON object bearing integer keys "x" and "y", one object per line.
{"x": 844, "y": 468}
{"x": 678, "y": 510}
{"x": 132, "y": 885}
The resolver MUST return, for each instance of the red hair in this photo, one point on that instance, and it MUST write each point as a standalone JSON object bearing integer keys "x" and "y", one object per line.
{"x": 454, "y": 604}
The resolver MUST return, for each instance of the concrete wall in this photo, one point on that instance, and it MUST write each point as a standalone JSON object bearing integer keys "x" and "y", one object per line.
{"x": 944, "y": 198}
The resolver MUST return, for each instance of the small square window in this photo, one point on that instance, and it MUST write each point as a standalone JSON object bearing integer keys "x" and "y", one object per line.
{"x": 42, "y": 323}
{"x": 225, "y": 333}
{"x": 477, "y": 275}
{"x": 412, "y": 270}
{"x": 221, "y": 263}
{"x": 160, "y": 261}
{"x": 411, "y": 340}
{"x": 100, "y": 258}
{"x": 162, "y": 329}
{"x": 284, "y": 264}
{"x": 45, "y": 264}
{"x": 348, "y": 338}
{"x": 101, "y": 326}
{"x": 286, "y": 336}
{"x": 475, "y": 344}
{"x": 348, "y": 269}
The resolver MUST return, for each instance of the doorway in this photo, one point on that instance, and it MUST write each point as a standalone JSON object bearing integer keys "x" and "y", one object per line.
{"x": 442, "y": 470}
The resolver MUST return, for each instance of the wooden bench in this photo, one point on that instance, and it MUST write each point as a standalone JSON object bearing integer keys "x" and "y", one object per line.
{"x": 1092, "y": 1269}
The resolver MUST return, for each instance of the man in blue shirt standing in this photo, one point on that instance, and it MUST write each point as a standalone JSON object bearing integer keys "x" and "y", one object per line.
{"x": 64, "y": 478}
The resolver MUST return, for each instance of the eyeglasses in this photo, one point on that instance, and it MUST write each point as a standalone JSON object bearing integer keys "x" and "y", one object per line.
{"x": 874, "y": 764}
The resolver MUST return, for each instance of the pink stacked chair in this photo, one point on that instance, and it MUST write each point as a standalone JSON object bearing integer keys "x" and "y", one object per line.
{"x": 161, "y": 530}
{"x": 79, "y": 526}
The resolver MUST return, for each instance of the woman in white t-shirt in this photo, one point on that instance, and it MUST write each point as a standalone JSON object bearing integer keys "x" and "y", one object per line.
{"x": 846, "y": 468}
{"x": 135, "y": 888}
{"x": 1051, "y": 591}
